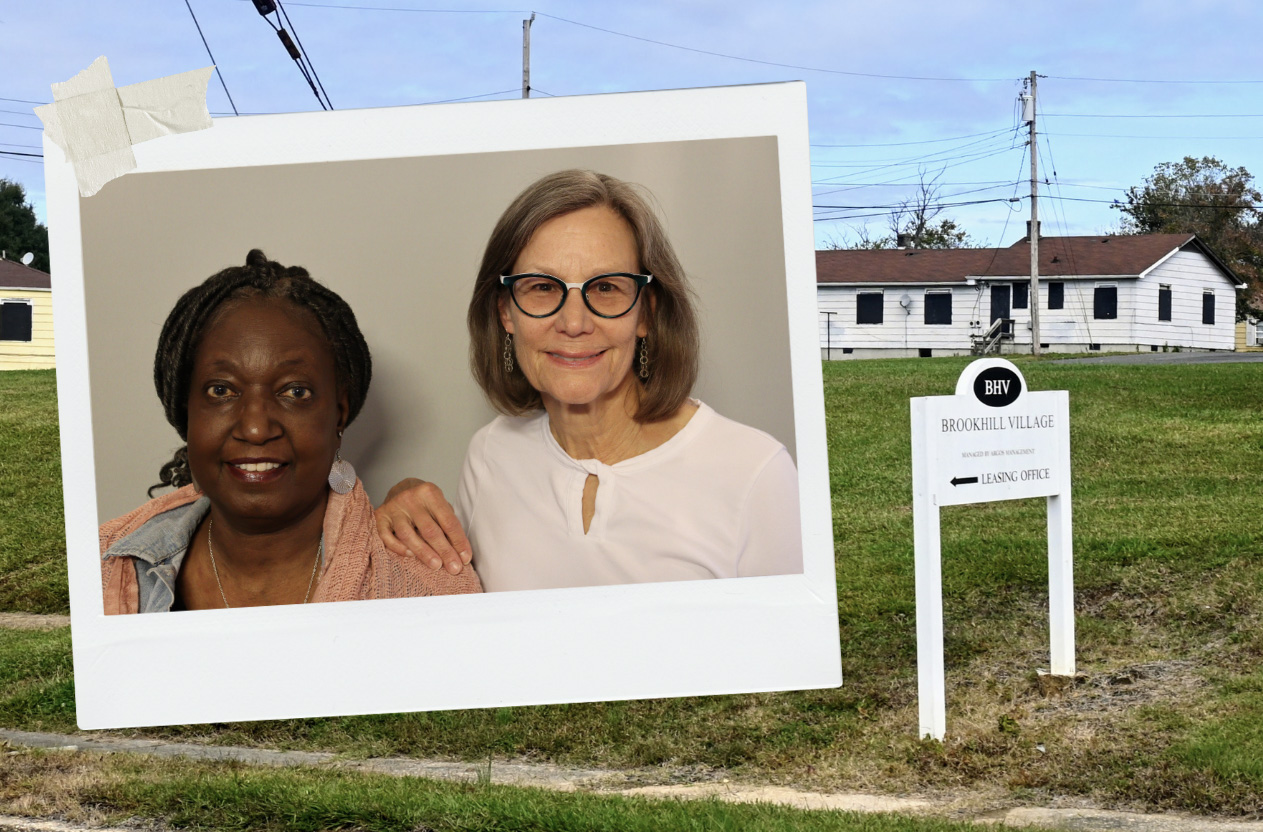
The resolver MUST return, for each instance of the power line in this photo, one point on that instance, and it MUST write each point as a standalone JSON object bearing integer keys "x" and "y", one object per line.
{"x": 1144, "y": 80}
{"x": 767, "y": 63}
{"x": 468, "y": 97}
{"x": 924, "y": 141}
{"x": 417, "y": 11}
{"x": 1151, "y": 115}
{"x": 22, "y": 126}
{"x": 20, "y": 113}
{"x": 303, "y": 49}
{"x": 212, "y": 57}
{"x": 658, "y": 42}
{"x": 962, "y": 160}
{"x": 902, "y": 206}
{"x": 16, "y": 153}
{"x": 1146, "y": 203}
{"x": 1119, "y": 136}
{"x": 266, "y": 7}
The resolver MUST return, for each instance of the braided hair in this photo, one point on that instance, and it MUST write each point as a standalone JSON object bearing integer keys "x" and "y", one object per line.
{"x": 198, "y": 307}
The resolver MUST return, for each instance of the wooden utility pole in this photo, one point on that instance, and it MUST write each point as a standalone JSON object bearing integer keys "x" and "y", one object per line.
{"x": 526, "y": 56}
{"x": 1033, "y": 299}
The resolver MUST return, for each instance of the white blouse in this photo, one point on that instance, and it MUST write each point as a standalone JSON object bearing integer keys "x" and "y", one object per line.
{"x": 717, "y": 500}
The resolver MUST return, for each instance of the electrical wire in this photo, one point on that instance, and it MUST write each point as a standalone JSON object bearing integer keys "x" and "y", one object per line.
{"x": 212, "y": 57}
{"x": 1120, "y": 136}
{"x": 657, "y": 42}
{"x": 1144, "y": 80}
{"x": 21, "y": 126}
{"x": 1021, "y": 163}
{"x": 298, "y": 58}
{"x": 924, "y": 141}
{"x": 1151, "y": 115}
{"x": 303, "y": 50}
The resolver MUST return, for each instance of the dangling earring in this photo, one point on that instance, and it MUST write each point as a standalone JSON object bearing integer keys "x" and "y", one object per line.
{"x": 644, "y": 358}
{"x": 341, "y": 473}
{"x": 508, "y": 353}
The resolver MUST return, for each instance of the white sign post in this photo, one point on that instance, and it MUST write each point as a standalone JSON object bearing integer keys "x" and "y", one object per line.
{"x": 993, "y": 440}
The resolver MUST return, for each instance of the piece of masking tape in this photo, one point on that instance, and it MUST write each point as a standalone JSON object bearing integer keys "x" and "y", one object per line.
{"x": 96, "y": 124}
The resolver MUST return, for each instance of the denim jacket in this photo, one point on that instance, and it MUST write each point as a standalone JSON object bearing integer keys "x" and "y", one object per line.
{"x": 157, "y": 550}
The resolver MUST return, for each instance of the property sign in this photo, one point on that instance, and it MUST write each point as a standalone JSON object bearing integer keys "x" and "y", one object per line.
{"x": 993, "y": 440}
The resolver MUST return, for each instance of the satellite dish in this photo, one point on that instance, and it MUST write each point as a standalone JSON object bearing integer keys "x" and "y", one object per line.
{"x": 28, "y": 258}
{"x": 905, "y": 301}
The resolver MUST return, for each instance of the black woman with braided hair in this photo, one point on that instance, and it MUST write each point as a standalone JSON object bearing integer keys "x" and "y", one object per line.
{"x": 260, "y": 369}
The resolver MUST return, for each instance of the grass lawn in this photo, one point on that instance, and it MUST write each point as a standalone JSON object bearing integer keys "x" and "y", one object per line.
{"x": 32, "y": 531}
{"x": 1169, "y": 603}
{"x": 89, "y": 788}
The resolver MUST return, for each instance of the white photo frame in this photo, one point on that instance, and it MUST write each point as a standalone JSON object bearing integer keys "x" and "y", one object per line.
{"x": 498, "y": 649}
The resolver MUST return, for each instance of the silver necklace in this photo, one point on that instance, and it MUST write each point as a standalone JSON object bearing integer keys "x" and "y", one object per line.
{"x": 210, "y": 548}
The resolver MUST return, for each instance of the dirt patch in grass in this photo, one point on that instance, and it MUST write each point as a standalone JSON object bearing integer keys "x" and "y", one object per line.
{"x": 32, "y": 621}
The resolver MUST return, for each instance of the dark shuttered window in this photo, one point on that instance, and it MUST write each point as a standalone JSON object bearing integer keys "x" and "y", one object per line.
{"x": 868, "y": 308}
{"x": 1208, "y": 308}
{"x": 1105, "y": 303}
{"x": 1056, "y": 295}
{"x": 1164, "y": 303}
{"x": 15, "y": 321}
{"x": 1021, "y": 295}
{"x": 938, "y": 307}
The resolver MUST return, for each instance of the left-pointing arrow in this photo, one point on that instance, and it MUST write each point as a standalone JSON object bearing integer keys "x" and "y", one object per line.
{"x": 963, "y": 480}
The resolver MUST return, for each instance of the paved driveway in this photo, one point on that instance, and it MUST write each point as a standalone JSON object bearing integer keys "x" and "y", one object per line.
{"x": 1169, "y": 358}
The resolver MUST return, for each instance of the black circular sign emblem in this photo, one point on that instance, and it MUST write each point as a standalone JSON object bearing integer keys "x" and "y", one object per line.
{"x": 997, "y": 387}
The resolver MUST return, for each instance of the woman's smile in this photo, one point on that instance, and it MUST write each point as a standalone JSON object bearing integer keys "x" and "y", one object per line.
{"x": 573, "y": 357}
{"x": 264, "y": 413}
{"x": 257, "y": 471}
{"x": 576, "y": 359}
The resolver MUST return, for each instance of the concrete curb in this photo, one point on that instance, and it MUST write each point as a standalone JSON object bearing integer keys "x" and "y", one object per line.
{"x": 540, "y": 775}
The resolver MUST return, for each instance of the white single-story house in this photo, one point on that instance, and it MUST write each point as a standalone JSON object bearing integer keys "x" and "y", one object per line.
{"x": 26, "y": 318}
{"x": 1114, "y": 293}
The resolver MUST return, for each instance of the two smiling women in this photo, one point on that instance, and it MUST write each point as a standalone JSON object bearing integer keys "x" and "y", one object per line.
{"x": 600, "y": 470}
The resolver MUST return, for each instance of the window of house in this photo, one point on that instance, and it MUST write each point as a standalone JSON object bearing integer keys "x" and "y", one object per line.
{"x": 1056, "y": 294}
{"x": 1021, "y": 295}
{"x": 868, "y": 308}
{"x": 1164, "y": 302}
{"x": 15, "y": 320}
{"x": 1208, "y": 307}
{"x": 938, "y": 307}
{"x": 1105, "y": 302}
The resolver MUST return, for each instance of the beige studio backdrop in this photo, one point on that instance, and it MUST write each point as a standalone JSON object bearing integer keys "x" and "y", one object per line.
{"x": 401, "y": 240}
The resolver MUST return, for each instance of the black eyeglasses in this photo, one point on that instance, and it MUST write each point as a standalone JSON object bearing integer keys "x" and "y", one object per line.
{"x": 607, "y": 295}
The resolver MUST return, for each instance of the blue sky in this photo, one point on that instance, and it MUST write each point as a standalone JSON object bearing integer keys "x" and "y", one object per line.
{"x": 925, "y": 89}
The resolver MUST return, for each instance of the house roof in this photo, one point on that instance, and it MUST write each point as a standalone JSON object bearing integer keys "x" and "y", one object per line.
{"x": 14, "y": 275}
{"x": 1124, "y": 255}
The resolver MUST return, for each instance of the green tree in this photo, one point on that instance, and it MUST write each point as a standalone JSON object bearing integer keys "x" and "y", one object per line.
{"x": 1217, "y": 203}
{"x": 19, "y": 231}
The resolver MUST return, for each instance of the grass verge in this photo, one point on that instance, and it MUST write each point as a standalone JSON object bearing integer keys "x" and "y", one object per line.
{"x": 32, "y": 531}
{"x": 227, "y": 796}
{"x": 1169, "y": 601}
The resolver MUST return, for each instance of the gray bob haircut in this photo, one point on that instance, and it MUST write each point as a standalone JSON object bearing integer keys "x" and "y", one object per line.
{"x": 672, "y": 323}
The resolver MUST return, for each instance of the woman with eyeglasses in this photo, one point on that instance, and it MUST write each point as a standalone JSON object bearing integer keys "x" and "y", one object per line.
{"x": 601, "y": 468}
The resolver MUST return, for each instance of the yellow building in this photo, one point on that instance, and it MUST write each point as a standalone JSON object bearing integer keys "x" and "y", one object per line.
{"x": 1250, "y": 336}
{"x": 26, "y": 318}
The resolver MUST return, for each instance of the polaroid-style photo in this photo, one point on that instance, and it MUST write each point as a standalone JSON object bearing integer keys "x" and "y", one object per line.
{"x": 392, "y": 210}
